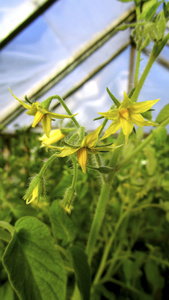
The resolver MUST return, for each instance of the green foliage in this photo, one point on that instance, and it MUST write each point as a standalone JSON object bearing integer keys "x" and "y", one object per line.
{"x": 82, "y": 271}
{"x": 62, "y": 225}
{"x": 138, "y": 203}
{"x": 35, "y": 268}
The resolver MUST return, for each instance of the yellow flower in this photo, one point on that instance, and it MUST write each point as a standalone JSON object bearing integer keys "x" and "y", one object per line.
{"x": 33, "y": 196}
{"x": 41, "y": 113}
{"x": 88, "y": 145}
{"x": 54, "y": 136}
{"x": 127, "y": 114}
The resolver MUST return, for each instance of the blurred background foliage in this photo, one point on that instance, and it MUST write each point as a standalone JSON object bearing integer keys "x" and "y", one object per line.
{"x": 137, "y": 214}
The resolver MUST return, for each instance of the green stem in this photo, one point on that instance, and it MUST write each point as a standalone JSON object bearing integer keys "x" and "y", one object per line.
{"x": 154, "y": 54}
{"x": 65, "y": 107}
{"x": 75, "y": 168}
{"x": 140, "y": 147}
{"x": 137, "y": 68}
{"x": 97, "y": 221}
{"x": 116, "y": 152}
{"x": 143, "y": 78}
{"x": 123, "y": 285}
{"x": 109, "y": 243}
{"x": 46, "y": 164}
{"x": 103, "y": 125}
{"x": 107, "y": 249}
{"x": 98, "y": 163}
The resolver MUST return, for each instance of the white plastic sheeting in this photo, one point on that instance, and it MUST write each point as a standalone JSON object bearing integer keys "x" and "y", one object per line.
{"x": 57, "y": 35}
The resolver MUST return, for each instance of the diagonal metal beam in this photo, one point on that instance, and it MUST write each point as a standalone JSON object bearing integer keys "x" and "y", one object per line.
{"x": 36, "y": 10}
{"x": 57, "y": 75}
{"x": 79, "y": 84}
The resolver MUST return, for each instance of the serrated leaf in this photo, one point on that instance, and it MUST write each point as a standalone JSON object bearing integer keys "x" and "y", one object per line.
{"x": 82, "y": 271}
{"x": 63, "y": 227}
{"x": 163, "y": 114}
{"x": 34, "y": 266}
{"x": 160, "y": 136}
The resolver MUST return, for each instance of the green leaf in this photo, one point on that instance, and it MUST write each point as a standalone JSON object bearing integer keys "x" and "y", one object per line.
{"x": 160, "y": 136}
{"x": 82, "y": 271}
{"x": 34, "y": 267}
{"x": 163, "y": 114}
{"x": 63, "y": 227}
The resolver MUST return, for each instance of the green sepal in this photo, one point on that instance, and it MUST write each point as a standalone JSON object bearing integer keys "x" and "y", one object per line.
{"x": 131, "y": 92}
{"x": 71, "y": 146}
{"x": 99, "y": 118}
{"x": 45, "y": 104}
{"x": 116, "y": 102}
{"x": 158, "y": 47}
{"x": 27, "y": 100}
{"x": 103, "y": 170}
{"x": 36, "y": 180}
{"x": 67, "y": 130}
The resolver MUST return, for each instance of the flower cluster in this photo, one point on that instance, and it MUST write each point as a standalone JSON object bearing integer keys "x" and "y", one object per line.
{"x": 124, "y": 116}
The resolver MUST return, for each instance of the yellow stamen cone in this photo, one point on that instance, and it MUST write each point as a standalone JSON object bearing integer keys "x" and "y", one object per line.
{"x": 124, "y": 113}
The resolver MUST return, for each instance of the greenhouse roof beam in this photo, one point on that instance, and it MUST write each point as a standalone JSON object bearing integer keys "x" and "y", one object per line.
{"x": 76, "y": 87}
{"x": 57, "y": 75}
{"x": 26, "y": 13}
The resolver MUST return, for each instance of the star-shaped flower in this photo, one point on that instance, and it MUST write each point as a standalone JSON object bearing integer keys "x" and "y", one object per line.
{"x": 41, "y": 113}
{"x": 88, "y": 145}
{"x": 54, "y": 136}
{"x": 127, "y": 114}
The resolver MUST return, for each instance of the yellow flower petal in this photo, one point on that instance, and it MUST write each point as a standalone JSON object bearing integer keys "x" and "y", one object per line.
{"x": 38, "y": 117}
{"x": 33, "y": 196}
{"x": 127, "y": 127}
{"x": 54, "y": 136}
{"x": 27, "y": 106}
{"x": 67, "y": 152}
{"x": 111, "y": 114}
{"x": 126, "y": 103}
{"x": 59, "y": 116}
{"x": 141, "y": 107}
{"x": 82, "y": 158}
{"x": 114, "y": 127}
{"x": 138, "y": 119}
{"x": 46, "y": 124}
{"x": 90, "y": 140}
